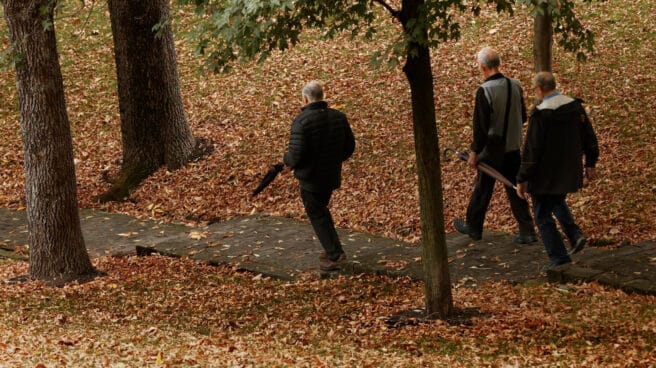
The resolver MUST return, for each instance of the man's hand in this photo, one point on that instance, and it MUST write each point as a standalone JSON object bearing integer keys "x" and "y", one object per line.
{"x": 590, "y": 173}
{"x": 473, "y": 159}
{"x": 521, "y": 191}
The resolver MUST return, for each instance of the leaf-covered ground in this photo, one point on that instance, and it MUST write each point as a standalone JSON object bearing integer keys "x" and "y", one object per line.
{"x": 247, "y": 116}
{"x": 158, "y": 311}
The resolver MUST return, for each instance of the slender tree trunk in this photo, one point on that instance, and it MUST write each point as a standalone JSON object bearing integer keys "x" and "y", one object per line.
{"x": 543, "y": 40}
{"x": 153, "y": 122}
{"x": 57, "y": 251}
{"x": 439, "y": 301}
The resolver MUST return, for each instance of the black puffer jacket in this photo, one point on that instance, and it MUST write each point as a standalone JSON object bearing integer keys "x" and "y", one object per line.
{"x": 320, "y": 140}
{"x": 559, "y": 134}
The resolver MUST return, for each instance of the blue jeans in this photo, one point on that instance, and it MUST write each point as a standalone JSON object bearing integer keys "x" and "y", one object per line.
{"x": 564, "y": 216}
{"x": 544, "y": 206}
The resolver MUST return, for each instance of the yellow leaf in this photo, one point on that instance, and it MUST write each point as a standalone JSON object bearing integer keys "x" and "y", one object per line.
{"x": 159, "y": 360}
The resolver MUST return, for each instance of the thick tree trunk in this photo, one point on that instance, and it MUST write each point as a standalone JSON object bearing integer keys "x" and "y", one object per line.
{"x": 153, "y": 121}
{"x": 57, "y": 251}
{"x": 542, "y": 41}
{"x": 439, "y": 301}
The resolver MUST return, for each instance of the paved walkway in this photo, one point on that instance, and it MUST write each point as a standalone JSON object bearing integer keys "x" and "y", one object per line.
{"x": 285, "y": 248}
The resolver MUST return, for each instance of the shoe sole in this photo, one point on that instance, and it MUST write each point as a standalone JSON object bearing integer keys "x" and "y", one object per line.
{"x": 333, "y": 266}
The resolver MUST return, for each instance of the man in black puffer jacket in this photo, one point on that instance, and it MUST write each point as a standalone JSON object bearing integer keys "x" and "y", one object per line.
{"x": 559, "y": 134}
{"x": 321, "y": 139}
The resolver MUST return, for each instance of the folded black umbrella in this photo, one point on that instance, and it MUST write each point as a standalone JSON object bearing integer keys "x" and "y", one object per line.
{"x": 268, "y": 177}
{"x": 482, "y": 166}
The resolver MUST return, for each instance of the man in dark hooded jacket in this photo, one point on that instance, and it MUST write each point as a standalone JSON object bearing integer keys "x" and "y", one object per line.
{"x": 321, "y": 139}
{"x": 559, "y": 134}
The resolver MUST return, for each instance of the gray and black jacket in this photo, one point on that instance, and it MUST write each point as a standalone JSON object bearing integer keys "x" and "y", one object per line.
{"x": 490, "y": 109}
{"x": 559, "y": 134}
{"x": 320, "y": 140}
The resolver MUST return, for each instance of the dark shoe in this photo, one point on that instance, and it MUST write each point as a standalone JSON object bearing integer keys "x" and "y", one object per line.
{"x": 462, "y": 227}
{"x": 326, "y": 264}
{"x": 525, "y": 239}
{"x": 579, "y": 245}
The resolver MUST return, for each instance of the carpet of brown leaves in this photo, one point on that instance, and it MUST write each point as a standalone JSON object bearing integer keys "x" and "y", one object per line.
{"x": 247, "y": 115}
{"x": 195, "y": 315}
{"x": 158, "y": 311}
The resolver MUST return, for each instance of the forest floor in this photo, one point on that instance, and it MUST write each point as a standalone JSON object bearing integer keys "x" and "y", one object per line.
{"x": 162, "y": 311}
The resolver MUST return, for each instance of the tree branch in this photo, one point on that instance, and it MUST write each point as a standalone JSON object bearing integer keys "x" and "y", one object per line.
{"x": 395, "y": 13}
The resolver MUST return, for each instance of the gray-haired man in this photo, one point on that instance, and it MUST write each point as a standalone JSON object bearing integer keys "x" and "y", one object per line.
{"x": 320, "y": 140}
{"x": 499, "y": 115}
{"x": 558, "y": 136}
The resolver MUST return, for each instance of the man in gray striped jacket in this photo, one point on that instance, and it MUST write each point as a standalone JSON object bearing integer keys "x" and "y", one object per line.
{"x": 499, "y": 115}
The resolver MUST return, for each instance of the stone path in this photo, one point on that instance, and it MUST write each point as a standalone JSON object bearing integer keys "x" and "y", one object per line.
{"x": 285, "y": 248}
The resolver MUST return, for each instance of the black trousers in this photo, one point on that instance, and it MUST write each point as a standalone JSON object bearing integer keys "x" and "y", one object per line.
{"x": 316, "y": 207}
{"x": 482, "y": 194}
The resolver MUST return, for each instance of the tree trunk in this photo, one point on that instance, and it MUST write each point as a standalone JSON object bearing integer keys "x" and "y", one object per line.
{"x": 153, "y": 122}
{"x": 543, "y": 40}
{"x": 57, "y": 251}
{"x": 439, "y": 301}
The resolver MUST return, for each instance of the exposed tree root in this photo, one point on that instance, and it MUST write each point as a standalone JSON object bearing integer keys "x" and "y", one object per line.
{"x": 130, "y": 178}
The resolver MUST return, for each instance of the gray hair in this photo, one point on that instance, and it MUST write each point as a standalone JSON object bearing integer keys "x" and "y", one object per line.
{"x": 489, "y": 58}
{"x": 545, "y": 80}
{"x": 313, "y": 91}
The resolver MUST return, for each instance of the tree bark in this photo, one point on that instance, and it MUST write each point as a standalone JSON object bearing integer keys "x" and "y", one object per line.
{"x": 154, "y": 126}
{"x": 439, "y": 301}
{"x": 57, "y": 250}
{"x": 543, "y": 40}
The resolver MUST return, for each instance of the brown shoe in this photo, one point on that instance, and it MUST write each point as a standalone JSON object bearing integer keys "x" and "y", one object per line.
{"x": 326, "y": 264}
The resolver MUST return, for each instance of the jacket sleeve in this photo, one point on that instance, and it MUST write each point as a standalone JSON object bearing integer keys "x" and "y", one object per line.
{"x": 589, "y": 144}
{"x": 349, "y": 142}
{"x": 521, "y": 98}
{"x": 481, "y": 123}
{"x": 296, "y": 149}
{"x": 532, "y": 149}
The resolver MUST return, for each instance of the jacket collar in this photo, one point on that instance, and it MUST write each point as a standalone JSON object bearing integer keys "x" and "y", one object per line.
{"x": 317, "y": 105}
{"x": 554, "y": 102}
{"x": 498, "y": 75}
